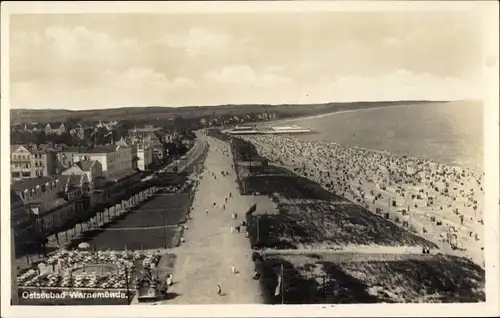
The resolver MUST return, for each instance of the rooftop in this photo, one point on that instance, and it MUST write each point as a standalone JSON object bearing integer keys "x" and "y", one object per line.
{"x": 85, "y": 165}
{"x": 122, "y": 143}
{"x": 144, "y": 130}
{"x": 30, "y": 183}
{"x": 63, "y": 179}
{"x": 99, "y": 149}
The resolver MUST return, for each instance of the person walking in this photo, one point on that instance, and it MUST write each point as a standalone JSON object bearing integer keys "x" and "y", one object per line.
{"x": 219, "y": 290}
{"x": 233, "y": 269}
{"x": 206, "y": 211}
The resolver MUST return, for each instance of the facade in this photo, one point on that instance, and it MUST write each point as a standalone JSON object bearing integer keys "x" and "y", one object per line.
{"x": 142, "y": 154}
{"x": 32, "y": 162}
{"x": 41, "y": 206}
{"x": 20, "y": 163}
{"x": 144, "y": 157}
{"x": 90, "y": 168}
{"x": 21, "y": 219}
{"x": 170, "y": 137}
{"x": 146, "y": 135}
{"x": 48, "y": 129}
{"x": 116, "y": 160}
{"x": 62, "y": 129}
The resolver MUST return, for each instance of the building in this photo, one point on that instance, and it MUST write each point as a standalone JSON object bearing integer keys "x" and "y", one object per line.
{"x": 43, "y": 206}
{"x": 62, "y": 129}
{"x": 170, "y": 137}
{"x": 21, "y": 163}
{"x": 122, "y": 143}
{"x": 14, "y": 296}
{"x": 48, "y": 129}
{"x": 32, "y": 161}
{"x": 144, "y": 156}
{"x": 21, "y": 220}
{"x": 147, "y": 135}
{"x": 91, "y": 168}
{"x": 116, "y": 160}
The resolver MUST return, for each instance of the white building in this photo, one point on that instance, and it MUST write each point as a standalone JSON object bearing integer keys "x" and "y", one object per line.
{"x": 116, "y": 160}
{"x": 48, "y": 129}
{"x": 144, "y": 156}
{"x": 62, "y": 129}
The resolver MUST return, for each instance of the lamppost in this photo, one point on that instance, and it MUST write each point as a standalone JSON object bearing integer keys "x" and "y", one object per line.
{"x": 164, "y": 218}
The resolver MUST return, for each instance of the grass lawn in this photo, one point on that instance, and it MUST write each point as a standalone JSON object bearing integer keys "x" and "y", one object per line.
{"x": 150, "y": 213}
{"x": 132, "y": 239}
{"x": 131, "y": 230}
{"x": 307, "y": 224}
{"x": 442, "y": 279}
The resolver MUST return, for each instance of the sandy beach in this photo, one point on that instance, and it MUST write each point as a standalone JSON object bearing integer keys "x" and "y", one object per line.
{"x": 210, "y": 248}
{"x": 439, "y": 202}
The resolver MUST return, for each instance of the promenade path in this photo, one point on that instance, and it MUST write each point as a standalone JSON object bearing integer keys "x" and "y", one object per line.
{"x": 210, "y": 249}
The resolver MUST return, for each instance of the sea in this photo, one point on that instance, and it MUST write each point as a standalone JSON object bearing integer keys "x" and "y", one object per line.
{"x": 450, "y": 133}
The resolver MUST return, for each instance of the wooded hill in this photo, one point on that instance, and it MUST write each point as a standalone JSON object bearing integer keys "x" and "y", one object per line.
{"x": 169, "y": 113}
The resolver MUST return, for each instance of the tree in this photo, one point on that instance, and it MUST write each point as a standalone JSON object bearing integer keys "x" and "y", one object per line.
{"x": 72, "y": 122}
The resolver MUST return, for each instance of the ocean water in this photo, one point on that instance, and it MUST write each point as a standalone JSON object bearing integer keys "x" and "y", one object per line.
{"x": 451, "y": 133}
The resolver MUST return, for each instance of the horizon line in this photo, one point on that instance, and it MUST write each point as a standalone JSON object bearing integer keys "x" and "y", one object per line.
{"x": 224, "y": 105}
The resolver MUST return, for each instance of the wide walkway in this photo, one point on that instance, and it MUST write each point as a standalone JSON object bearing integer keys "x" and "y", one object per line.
{"x": 210, "y": 250}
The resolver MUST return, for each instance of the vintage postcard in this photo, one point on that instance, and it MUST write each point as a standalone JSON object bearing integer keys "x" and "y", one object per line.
{"x": 250, "y": 159}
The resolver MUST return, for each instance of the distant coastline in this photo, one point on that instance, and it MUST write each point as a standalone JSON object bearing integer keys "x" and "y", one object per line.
{"x": 475, "y": 168}
{"x": 286, "y": 111}
{"x": 337, "y": 112}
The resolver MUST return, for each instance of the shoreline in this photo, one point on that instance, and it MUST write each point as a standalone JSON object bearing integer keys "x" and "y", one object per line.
{"x": 353, "y": 110}
{"x": 479, "y": 169}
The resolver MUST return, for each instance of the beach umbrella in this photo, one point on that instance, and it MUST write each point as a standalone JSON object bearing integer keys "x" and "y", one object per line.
{"x": 83, "y": 245}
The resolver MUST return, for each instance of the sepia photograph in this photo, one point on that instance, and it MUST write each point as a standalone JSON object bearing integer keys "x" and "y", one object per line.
{"x": 249, "y": 154}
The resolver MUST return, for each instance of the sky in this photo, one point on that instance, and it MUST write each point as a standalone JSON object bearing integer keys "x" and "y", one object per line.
{"x": 71, "y": 61}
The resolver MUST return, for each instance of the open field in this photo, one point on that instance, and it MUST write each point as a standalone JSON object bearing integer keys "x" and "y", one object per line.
{"x": 312, "y": 279}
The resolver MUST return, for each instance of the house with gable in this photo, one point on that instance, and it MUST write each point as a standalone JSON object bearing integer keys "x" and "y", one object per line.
{"x": 92, "y": 169}
{"x": 48, "y": 129}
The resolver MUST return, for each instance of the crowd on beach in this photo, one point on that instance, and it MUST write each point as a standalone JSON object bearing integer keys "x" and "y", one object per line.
{"x": 437, "y": 200}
